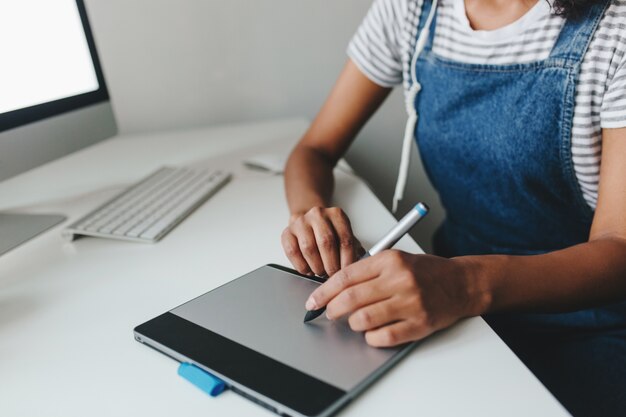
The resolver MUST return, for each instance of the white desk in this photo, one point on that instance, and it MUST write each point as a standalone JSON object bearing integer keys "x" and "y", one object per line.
{"x": 67, "y": 310}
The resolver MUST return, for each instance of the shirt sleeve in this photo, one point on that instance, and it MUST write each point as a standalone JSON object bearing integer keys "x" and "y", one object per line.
{"x": 375, "y": 47}
{"x": 613, "y": 112}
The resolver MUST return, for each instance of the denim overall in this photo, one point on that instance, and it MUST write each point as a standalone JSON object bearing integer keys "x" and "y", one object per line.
{"x": 496, "y": 144}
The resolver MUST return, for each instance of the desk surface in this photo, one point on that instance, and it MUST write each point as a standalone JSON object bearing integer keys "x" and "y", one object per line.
{"x": 67, "y": 310}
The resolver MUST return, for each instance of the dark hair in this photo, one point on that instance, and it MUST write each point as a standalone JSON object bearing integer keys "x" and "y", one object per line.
{"x": 571, "y": 8}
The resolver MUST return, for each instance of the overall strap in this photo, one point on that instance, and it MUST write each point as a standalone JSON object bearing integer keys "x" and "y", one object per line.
{"x": 426, "y": 8}
{"x": 426, "y": 18}
{"x": 576, "y": 34}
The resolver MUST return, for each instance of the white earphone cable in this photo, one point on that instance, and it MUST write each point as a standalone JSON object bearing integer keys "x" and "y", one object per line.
{"x": 411, "y": 95}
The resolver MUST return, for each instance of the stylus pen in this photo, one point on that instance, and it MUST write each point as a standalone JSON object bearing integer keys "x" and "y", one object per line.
{"x": 386, "y": 242}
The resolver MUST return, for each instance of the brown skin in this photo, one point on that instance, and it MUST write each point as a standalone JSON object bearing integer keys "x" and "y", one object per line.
{"x": 396, "y": 297}
{"x": 319, "y": 238}
{"x": 493, "y": 14}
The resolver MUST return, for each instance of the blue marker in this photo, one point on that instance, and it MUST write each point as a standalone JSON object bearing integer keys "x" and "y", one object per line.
{"x": 388, "y": 240}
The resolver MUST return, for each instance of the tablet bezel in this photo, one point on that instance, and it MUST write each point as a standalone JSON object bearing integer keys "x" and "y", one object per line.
{"x": 266, "y": 381}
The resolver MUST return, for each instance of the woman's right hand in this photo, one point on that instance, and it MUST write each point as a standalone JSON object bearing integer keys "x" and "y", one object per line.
{"x": 320, "y": 241}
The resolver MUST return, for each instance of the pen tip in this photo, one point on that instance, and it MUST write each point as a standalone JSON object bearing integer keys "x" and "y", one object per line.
{"x": 307, "y": 317}
{"x": 312, "y": 314}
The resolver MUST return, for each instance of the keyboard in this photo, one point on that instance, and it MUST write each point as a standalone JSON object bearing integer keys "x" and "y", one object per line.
{"x": 149, "y": 209}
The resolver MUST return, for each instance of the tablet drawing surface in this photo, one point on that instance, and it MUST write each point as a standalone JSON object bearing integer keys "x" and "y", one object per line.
{"x": 263, "y": 311}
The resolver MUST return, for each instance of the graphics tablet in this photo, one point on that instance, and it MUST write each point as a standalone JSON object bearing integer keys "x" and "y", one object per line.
{"x": 250, "y": 333}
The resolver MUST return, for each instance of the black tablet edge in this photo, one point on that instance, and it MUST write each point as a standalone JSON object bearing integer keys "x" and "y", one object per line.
{"x": 294, "y": 272}
{"x": 261, "y": 374}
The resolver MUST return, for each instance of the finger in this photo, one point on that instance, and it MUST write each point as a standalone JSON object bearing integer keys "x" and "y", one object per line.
{"x": 292, "y": 250}
{"x": 308, "y": 246}
{"x": 326, "y": 244}
{"x": 353, "y": 274}
{"x": 396, "y": 334}
{"x": 342, "y": 226}
{"x": 357, "y": 296}
{"x": 374, "y": 315}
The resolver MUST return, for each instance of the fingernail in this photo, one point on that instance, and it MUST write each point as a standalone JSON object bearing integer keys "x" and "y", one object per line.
{"x": 310, "y": 304}
{"x": 328, "y": 317}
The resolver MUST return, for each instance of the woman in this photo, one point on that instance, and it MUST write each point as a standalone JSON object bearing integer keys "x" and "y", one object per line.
{"x": 522, "y": 130}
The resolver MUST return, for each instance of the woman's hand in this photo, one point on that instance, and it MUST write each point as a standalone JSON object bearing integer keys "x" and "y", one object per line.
{"x": 395, "y": 297}
{"x": 320, "y": 241}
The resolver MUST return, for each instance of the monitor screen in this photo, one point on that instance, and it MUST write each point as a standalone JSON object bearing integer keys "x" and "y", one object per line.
{"x": 45, "y": 56}
{"x": 53, "y": 98}
{"x": 49, "y": 65}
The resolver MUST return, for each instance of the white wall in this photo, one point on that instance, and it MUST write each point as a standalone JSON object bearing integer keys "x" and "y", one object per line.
{"x": 184, "y": 63}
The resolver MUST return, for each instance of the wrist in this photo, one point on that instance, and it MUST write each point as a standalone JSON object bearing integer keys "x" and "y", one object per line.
{"x": 295, "y": 214}
{"x": 302, "y": 210}
{"x": 298, "y": 213}
{"x": 478, "y": 280}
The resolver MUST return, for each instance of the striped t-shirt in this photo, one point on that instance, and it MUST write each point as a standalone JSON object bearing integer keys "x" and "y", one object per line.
{"x": 383, "y": 46}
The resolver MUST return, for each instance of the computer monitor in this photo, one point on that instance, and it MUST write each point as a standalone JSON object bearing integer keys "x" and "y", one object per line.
{"x": 53, "y": 97}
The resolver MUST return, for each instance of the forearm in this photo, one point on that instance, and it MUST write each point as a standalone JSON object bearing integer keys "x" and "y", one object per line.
{"x": 578, "y": 277}
{"x": 309, "y": 171}
{"x": 308, "y": 179}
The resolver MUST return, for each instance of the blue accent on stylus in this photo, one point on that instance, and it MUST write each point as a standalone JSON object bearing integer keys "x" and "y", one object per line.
{"x": 421, "y": 209}
{"x": 202, "y": 379}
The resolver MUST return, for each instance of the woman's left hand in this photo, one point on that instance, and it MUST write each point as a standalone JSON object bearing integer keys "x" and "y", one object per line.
{"x": 395, "y": 297}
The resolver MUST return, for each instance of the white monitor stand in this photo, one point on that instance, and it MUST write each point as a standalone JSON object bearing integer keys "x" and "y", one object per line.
{"x": 16, "y": 228}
